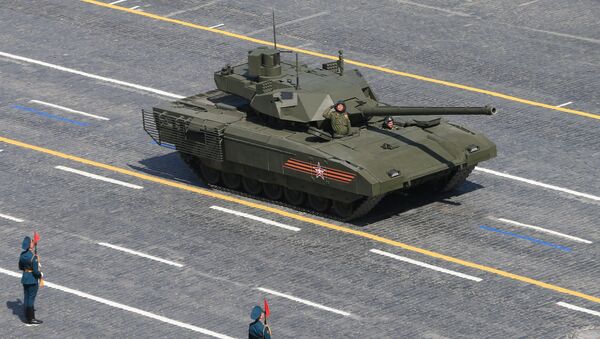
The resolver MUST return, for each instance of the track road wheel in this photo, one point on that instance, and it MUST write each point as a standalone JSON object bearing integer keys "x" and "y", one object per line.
{"x": 231, "y": 180}
{"x": 457, "y": 179}
{"x": 294, "y": 197}
{"x": 252, "y": 186}
{"x": 272, "y": 191}
{"x": 343, "y": 210}
{"x": 318, "y": 204}
{"x": 211, "y": 175}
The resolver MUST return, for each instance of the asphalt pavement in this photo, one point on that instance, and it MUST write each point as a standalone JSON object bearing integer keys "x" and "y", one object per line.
{"x": 134, "y": 244}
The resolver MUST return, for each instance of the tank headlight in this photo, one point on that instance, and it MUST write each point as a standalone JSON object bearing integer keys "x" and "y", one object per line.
{"x": 472, "y": 148}
{"x": 393, "y": 173}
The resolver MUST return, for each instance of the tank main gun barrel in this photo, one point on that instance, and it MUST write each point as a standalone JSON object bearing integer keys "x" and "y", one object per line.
{"x": 399, "y": 110}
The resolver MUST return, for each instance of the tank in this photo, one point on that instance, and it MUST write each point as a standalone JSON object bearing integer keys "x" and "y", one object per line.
{"x": 267, "y": 130}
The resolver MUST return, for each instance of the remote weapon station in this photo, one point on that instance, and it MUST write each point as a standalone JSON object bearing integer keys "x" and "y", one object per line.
{"x": 315, "y": 137}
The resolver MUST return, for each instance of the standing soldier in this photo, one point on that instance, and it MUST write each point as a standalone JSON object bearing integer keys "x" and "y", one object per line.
{"x": 338, "y": 117}
{"x": 29, "y": 264}
{"x": 257, "y": 329}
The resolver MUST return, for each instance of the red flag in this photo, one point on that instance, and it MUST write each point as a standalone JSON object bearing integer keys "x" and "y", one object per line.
{"x": 267, "y": 311}
{"x": 36, "y": 237}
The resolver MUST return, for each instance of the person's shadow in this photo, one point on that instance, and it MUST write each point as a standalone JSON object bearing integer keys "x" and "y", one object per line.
{"x": 17, "y": 308}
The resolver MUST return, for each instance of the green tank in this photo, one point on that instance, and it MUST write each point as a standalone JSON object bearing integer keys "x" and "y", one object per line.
{"x": 315, "y": 137}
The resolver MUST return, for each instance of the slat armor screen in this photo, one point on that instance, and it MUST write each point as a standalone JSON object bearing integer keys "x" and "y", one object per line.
{"x": 201, "y": 141}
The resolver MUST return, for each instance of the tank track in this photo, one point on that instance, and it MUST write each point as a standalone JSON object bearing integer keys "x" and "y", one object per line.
{"x": 457, "y": 179}
{"x": 363, "y": 208}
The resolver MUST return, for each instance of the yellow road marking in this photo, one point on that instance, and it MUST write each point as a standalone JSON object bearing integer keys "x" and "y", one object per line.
{"x": 349, "y": 61}
{"x": 295, "y": 216}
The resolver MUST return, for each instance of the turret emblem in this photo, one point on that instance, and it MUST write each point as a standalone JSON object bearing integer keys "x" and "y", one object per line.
{"x": 319, "y": 171}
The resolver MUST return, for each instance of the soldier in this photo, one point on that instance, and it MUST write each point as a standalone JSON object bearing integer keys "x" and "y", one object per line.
{"x": 28, "y": 263}
{"x": 388, "y": 123}
{"x": 338, "y": 117}
{"x": 257, "y": 328}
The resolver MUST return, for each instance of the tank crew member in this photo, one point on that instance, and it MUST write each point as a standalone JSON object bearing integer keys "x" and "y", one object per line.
{"x": 338, "y": 117}
{"x": 28, "y": 263}
{"x": 388, "y": 123}
{"x": 257, "y": 328}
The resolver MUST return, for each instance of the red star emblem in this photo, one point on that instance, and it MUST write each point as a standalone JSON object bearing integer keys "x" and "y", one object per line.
{"x": 319, "y": 171}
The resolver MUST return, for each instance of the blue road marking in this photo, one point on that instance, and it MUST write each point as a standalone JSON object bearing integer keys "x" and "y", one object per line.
{"x": 164, "y": 145}
{"x": 51, "y": 116}
{"x": 534, "y": 240}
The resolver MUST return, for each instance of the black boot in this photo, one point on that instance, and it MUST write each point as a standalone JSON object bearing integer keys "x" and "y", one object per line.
{"x": 33, "y": 319}
{"x": 29, "y": 316}
{"x": 26, "y": 314}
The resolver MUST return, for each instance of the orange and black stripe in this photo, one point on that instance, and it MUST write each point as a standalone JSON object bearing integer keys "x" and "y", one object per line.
{"x": 309, "y": 168}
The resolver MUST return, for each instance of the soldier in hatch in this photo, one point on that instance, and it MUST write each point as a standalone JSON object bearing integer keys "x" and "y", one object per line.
{"x": 389, "y": 123}
{"x": 338, "y": 117}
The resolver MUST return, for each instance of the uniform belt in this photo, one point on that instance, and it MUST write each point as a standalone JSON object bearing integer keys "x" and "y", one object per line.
{"x": 28, "y": 270}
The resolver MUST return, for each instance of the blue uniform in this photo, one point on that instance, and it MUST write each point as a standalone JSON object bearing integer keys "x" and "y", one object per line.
{"x": 28, "y": 263}
{"x": 258, "y": 330}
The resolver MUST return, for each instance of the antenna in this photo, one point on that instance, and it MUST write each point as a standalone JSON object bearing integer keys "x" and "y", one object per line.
{"x": 297, "y": 72}
{"x": 274, "y": 35}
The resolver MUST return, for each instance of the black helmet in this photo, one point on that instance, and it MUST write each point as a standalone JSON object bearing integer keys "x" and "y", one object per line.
{"x": 387, "y": 121}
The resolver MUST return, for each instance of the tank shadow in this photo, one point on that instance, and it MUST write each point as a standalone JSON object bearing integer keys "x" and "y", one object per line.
{"x": 394, "y": 204}
{"x": 17, "y": 308}
{"x": 169, "y": 166}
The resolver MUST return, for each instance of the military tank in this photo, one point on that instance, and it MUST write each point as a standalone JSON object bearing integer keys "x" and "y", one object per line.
{"x": 264, "y": 130}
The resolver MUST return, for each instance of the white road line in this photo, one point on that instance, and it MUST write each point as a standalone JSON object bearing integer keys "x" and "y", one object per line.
{"x": 565, "y": 104}
{"x": 537, "y": 183}
{"x": 544, "y": 230}
{"x": 422, "y": 264}
{"x": 306, "y": 44}
{"x": 134, "y": 7}
{"x": 253, "y": 217}
{"x": 125, "y": 307}
{"x": 577, "y": 308}
{"x": 303, "y": 301}
{"x": 92, "y": 76}
{"x": 283, "y": 24}
{"x": 210, "y": 3}
{"x": 11, "y": 218}
{"x": 528, "y": 3}
{"x": 582, "y": 38}
{"x": 119, "y": 248}
{"x": 68, "y": 109}
{"x": 117, "y": 2}
{"x": 217, "y": 26}
{"x": 434, "y": 8}
{"x": 98, "y": 177}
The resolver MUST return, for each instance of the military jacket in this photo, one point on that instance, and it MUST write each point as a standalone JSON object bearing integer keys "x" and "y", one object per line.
{"x": 340, "y": 123}
{"x": 258, "y": 331}
{"x": 28, "y": 263}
